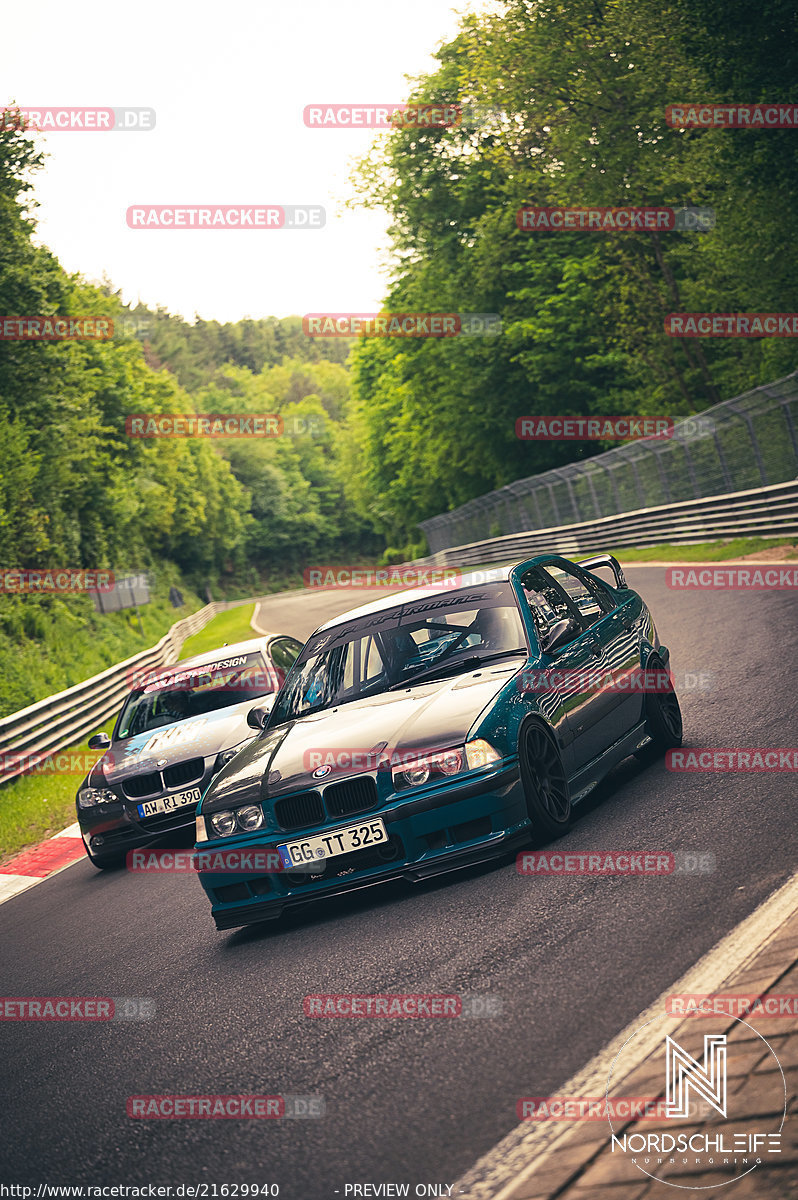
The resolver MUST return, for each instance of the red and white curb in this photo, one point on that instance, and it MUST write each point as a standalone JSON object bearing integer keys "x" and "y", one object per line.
{"x": 32, "y": 866}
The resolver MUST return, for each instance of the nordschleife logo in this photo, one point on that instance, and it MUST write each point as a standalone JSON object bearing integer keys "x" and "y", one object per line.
{"x": 721, "y": 1092}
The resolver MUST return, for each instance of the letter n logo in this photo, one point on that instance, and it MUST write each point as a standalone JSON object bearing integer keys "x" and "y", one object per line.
{"x": 707, "y": 1081}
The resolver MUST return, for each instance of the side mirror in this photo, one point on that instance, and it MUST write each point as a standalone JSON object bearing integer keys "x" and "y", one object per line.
{"x": 256, "y": 717}
{"x": 100, "y": 741}
{"x": 560, "y": 634}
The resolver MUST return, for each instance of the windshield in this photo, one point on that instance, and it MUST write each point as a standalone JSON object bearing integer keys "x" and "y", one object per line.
{"x": 427, "y": 637}
{"x": 176, "y": 695}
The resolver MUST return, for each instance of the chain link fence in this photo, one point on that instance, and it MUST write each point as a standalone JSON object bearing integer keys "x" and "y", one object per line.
{"x": 747, "y": 442}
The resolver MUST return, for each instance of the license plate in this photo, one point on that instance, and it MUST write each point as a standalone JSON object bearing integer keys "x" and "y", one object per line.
{"x": 167, "y": 804}
{"x": 329, "y": 845}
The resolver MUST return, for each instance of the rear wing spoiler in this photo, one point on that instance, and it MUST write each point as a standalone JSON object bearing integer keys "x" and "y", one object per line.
{"x": 605, "y": 560}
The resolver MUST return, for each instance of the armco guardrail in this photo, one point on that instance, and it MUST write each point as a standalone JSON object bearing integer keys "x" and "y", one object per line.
{"x": 61, "y": 720}
{"x": 750, "y": 441}
{"x": 759, "y": 512}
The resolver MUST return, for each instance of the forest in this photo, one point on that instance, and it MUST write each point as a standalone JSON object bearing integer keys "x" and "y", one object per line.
{"x": 574, "y": 100}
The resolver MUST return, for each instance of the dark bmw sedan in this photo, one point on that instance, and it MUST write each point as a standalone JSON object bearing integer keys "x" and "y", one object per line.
{"x": 435, "y": 728}
{"x": 178, "y": 726}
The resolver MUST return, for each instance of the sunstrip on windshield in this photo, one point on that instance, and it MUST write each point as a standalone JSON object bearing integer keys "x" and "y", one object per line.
{"x": 203, "y": 675}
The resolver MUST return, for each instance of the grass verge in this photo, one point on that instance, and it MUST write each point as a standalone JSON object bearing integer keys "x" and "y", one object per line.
{"x": 231, "y": 626}
{"x": 702, "y": 552}
{"x": 709, "y": 551}
{"x": 37, "y": 806}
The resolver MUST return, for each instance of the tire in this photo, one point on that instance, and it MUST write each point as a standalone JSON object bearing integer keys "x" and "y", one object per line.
{"x": 663, "y": 719}
{"x": 548, "y": 799}
{"x": 107, "y": 863}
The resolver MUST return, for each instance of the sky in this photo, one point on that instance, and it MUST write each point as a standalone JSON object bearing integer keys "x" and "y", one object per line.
{"x": 228, "y": 84}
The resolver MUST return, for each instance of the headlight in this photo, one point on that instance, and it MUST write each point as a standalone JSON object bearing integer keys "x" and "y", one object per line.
{"x": 88, "y": 797}
{"x": 480, "y": 753}
{"x": 243, "y": 819}
{"x": 448, "y": 762}
{"x": 223, "y": 823}
{"x": 451, "y": 762}
{"x": 415, "y": 776}
{"x": 249, "y": 818}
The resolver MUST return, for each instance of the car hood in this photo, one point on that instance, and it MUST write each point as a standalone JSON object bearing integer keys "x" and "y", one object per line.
{"x": 193, "y": 738}
{"x": 355, "y": 736}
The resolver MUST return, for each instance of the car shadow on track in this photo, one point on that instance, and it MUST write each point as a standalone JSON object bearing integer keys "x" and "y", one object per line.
{"x": 377, "y": 896}
{"x": 629, "y": 771}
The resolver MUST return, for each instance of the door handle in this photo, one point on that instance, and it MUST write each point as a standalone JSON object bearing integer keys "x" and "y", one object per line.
{"x": 595, "y": 649}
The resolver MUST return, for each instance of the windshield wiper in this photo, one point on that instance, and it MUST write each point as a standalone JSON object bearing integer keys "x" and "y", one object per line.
{"x": 474, "y": 660}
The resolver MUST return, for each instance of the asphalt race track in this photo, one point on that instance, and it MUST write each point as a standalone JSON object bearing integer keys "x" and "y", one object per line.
{"x": 573, "y": 959}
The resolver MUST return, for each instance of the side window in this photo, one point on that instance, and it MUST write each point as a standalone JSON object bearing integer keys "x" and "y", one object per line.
{"x": 283, "y": 652}
{"x": 374, "y": 666}
{"x": 548, "y": 604}
{"x": 362, "y": 664}
{"x": 590, "y": 602}
{"x": 603, "y": 593}
{"x": 350, "y": 651}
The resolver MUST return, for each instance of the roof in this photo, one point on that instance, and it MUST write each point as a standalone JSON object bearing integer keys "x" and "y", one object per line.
{"x": 499, "y": 574}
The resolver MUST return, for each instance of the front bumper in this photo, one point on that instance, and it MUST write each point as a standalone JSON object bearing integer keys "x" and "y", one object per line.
{"x": 453, "y": 825}
{"x": 110, "y": 830}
